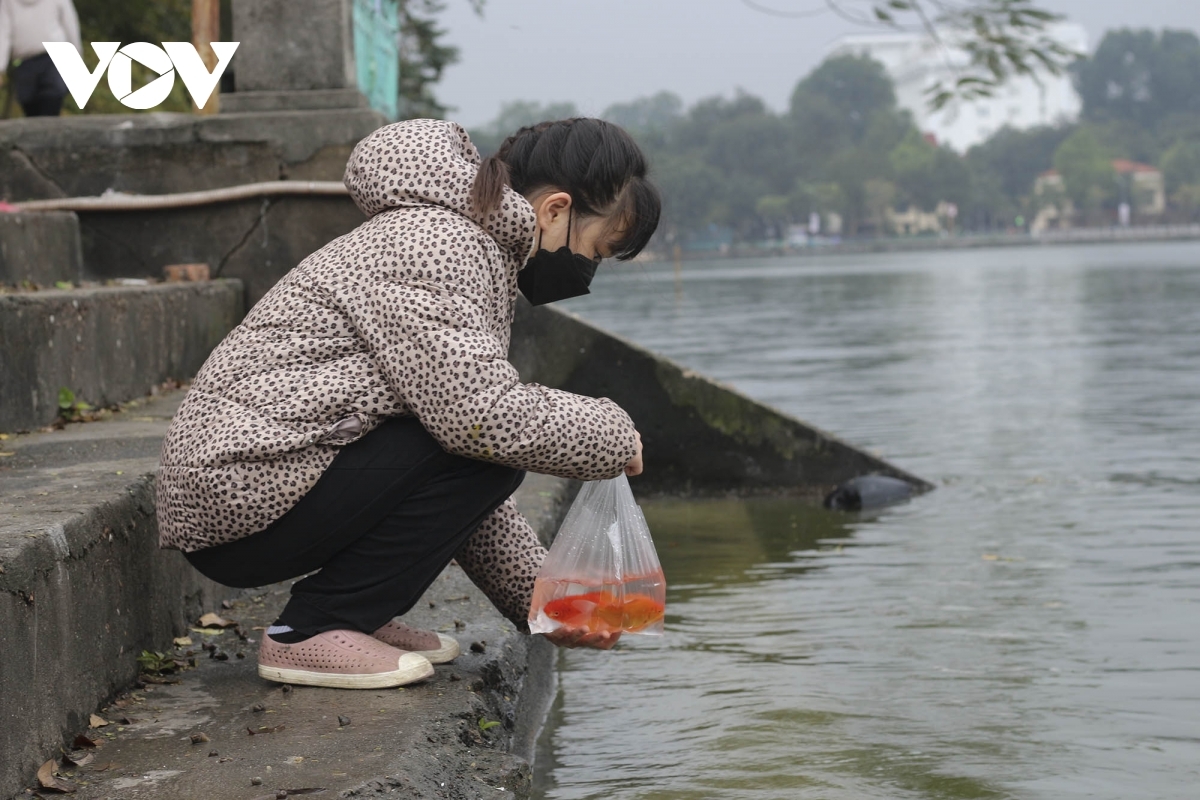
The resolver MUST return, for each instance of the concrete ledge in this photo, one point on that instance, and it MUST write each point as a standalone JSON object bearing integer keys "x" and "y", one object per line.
{"x": 312, "y": 99}
{"x": 107, "y": 345}
{"x": 160, "y": 152}
{"x": 40, "y": 248}
{"x": 83, "y": 589}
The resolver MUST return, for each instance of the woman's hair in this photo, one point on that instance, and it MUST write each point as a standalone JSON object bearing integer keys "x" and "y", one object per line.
{"x": 594, "y": 161}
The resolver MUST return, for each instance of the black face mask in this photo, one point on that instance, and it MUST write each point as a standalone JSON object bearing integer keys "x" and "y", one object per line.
{"x": 549, "y": 277}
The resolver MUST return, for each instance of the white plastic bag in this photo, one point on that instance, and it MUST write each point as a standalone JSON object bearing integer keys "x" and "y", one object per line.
{"x": 601, "y": 573}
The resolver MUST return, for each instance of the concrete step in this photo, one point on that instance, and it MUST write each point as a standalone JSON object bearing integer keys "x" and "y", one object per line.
{"x": 107, "y": 345}
{"x": 84, "y": 589}
{"x": 40, "y": 249}
{"x": 256, "y": 240}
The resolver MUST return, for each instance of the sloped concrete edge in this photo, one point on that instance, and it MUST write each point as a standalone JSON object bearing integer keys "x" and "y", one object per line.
{"x": 700, "y": 436}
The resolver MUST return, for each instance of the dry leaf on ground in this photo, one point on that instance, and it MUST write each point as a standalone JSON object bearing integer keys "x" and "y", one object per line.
{"x": 49, "y": 781}
{"x": 97, "y": 721}
{"x": 211, "y": 620}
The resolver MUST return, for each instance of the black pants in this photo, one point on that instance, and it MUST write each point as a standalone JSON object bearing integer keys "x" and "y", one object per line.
{"x": 379, "y": 526}
{"x": 39, "y": 88}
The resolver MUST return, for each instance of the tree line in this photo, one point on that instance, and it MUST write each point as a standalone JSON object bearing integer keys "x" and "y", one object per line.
{"x": 844, "y": 146}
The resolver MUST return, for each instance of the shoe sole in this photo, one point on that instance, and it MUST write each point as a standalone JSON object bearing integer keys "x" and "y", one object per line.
{"x": 448, "y": 651}
{"x": 410, "y": 670}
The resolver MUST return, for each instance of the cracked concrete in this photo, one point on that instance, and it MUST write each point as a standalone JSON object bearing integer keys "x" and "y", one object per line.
{"x": 259, "y": 222}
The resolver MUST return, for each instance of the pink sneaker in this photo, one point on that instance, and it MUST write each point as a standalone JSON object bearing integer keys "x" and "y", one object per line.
{"x": 435, "y": 647}
{"x": 341, "y": 660}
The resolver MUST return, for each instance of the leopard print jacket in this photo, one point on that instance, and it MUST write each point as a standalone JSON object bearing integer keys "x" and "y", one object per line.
{"x": 409, "y": 313}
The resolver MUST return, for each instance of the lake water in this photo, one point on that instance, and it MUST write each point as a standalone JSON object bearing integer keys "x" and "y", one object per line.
{"x": 1031, "y": 629}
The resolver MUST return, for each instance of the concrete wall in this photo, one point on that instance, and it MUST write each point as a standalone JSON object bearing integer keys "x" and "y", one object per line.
{"x": 41, "y": 248}
{"x": 106, "y": 345}
{"x": 699, "y": 436}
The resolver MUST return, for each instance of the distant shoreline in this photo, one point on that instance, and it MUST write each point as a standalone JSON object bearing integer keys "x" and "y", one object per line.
{"x": 1156, "y": 233}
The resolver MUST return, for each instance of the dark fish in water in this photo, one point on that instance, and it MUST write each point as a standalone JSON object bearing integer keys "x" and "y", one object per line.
{"x": 867, "y": 492}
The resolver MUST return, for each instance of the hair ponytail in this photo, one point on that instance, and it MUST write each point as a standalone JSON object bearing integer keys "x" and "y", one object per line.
{"x": 489, "y": 184}
{"x": 596, "y": 162}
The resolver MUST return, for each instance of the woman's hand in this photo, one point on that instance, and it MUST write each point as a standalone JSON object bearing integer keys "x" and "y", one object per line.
{"x": 634, "y": 467}
{"x": 582, "y": 637}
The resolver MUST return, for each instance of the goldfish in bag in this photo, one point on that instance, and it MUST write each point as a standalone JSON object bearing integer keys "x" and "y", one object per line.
{"x": 602, "y": 573}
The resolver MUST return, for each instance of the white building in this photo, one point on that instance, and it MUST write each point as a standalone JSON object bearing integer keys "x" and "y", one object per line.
{"x": 916, "y": 62}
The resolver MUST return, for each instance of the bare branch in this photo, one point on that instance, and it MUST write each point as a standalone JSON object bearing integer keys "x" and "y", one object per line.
{"x": 812, "y": 12}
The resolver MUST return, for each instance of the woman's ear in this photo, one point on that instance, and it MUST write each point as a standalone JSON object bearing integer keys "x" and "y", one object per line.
{"x": 552, "y": 209}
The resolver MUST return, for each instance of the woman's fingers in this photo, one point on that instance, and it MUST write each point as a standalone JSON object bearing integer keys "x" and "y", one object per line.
{"x": 600, "y": 641}
{"x": 582, "y": 637}
{"x": 634, "y": 467}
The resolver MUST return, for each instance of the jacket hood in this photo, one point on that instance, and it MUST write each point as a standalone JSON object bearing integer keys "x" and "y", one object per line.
{"x": 424, "y": 162}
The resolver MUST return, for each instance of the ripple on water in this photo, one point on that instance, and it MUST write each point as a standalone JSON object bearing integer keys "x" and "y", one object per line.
{"x": 1028, "y": 630}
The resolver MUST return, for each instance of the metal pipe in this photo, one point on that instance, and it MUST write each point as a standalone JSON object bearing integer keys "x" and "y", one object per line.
{"x": 140, "y": 202}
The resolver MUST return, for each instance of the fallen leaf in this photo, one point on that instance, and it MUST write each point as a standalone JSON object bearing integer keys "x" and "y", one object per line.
{"x": 48, "y": 780}
{"x": 83, "y": 741}
{"x": 77, "y": 758}
{"x": 128, "y": 721}
{"x": 208, "y": 631}
{"x": 97, "y": 721}
{"x": 211, "y": 620}
{"x": 182, "y": 641}
{"x": 6, "y": 455}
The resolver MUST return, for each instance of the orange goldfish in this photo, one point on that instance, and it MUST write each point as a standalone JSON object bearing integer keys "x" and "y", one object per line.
{"x": 577, "y": 610}
{"x": 602, "y": 611}
{"x": 640, "y": 611}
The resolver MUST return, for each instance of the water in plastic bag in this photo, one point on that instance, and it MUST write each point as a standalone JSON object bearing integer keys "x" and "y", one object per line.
{"x": 601, "y": 572}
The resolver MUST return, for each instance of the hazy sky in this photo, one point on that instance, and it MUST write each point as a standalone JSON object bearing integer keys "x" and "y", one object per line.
{"x": 597, "y": 52}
